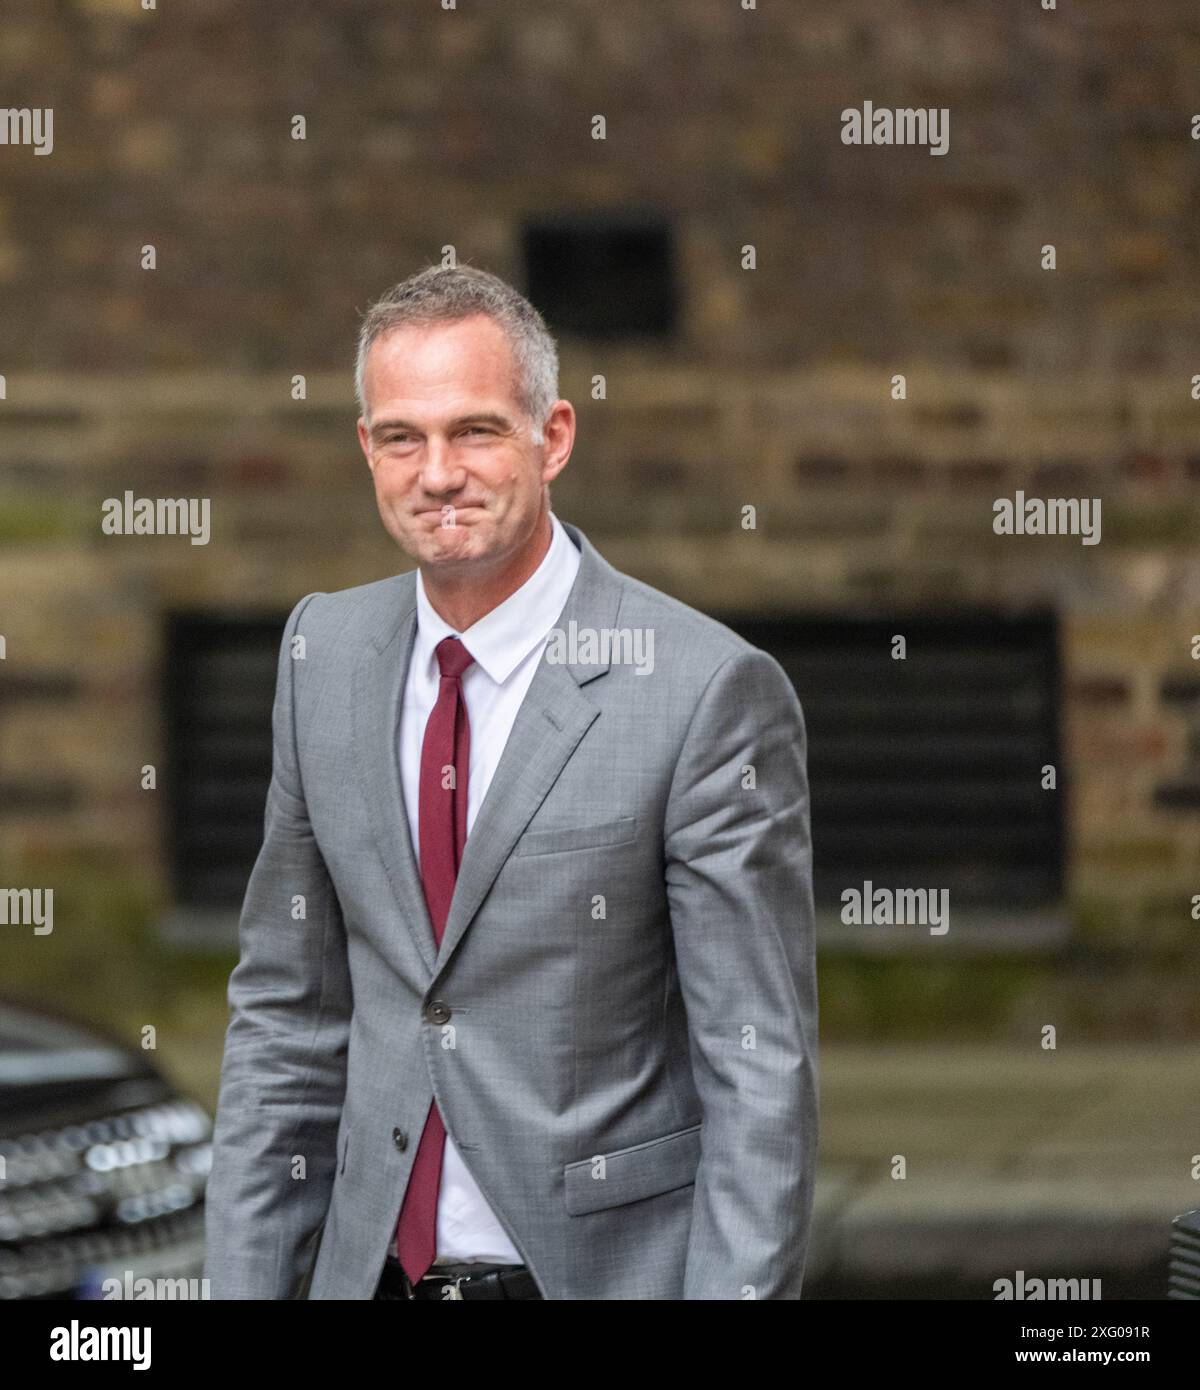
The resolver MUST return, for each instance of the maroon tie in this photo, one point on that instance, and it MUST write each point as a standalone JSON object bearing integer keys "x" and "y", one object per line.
{"x": 442, "y": 821}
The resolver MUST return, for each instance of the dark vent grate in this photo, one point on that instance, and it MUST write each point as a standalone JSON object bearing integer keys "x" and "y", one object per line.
{"x": 602, "y": 276}
{"x": 927, "y": 772}
{"x": 220, "y": 687}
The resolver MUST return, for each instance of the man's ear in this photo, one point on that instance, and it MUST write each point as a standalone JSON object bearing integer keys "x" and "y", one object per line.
{"x": 560, "y": 440}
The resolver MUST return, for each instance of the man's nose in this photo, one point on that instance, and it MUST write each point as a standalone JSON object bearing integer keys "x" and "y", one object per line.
{"x": 440, "y": 473}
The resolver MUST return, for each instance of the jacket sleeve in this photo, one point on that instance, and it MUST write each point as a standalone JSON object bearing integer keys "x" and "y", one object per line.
{"x": 739, "y": 885}
{"x": 283, "y": 1076}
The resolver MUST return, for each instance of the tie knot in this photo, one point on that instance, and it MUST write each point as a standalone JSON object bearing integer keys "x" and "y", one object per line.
{"x": 453, "y": 657}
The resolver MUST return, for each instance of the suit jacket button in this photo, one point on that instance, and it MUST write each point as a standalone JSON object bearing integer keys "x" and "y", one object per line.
{"x": 437, "y": 1012}
{"x": 400, "y": 1139}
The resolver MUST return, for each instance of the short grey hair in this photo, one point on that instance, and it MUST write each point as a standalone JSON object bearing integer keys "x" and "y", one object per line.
{"x": 440, "y": 294}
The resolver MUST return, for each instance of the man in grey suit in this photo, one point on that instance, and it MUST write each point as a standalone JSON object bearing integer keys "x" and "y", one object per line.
{"x": 526, "y": 1004}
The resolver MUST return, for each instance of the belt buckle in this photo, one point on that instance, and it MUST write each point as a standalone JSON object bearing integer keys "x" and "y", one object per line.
{"x": 452, "y": 1288}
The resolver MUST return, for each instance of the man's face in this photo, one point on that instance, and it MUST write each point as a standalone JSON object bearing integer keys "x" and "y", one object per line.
{"x": 458, "y": 480}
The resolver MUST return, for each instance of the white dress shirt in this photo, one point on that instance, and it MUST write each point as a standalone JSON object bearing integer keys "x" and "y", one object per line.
{"x": 507, "y": 645}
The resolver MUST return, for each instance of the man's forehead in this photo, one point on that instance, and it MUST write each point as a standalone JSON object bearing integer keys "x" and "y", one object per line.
{"x": 405, "y": 380}
{"x": 409, "y": 411}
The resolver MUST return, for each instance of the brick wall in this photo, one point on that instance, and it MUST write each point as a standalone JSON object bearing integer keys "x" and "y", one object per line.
{"x": 428, "y": 128}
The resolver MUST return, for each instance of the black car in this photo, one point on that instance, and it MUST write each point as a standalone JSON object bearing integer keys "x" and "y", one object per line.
{"x": 102, "y": 1166}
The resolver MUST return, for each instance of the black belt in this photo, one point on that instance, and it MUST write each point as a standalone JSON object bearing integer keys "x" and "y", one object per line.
{"x": 458, "y": 1281}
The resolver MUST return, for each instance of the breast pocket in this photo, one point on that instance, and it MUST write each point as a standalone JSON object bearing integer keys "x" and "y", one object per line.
{"x": 614, "y": 832}
{"x": 629, "y": 1175}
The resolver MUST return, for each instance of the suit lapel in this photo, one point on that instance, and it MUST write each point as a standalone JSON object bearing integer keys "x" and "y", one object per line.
{"x": 379, "y": 682}
{"x": 552, "y": 719}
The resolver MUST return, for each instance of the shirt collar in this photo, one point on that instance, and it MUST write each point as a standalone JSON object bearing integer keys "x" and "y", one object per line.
{"x": 503, "y": 638}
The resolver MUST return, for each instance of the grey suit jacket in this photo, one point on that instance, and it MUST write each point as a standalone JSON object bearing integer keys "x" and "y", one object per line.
{"x": 620, "y": 1027}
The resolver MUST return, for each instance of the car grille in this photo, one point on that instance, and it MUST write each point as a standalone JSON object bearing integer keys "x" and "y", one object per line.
{"x": 97, "y": 1193}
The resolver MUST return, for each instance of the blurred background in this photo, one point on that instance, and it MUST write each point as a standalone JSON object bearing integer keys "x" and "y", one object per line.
{"x": 736, "y": 294}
